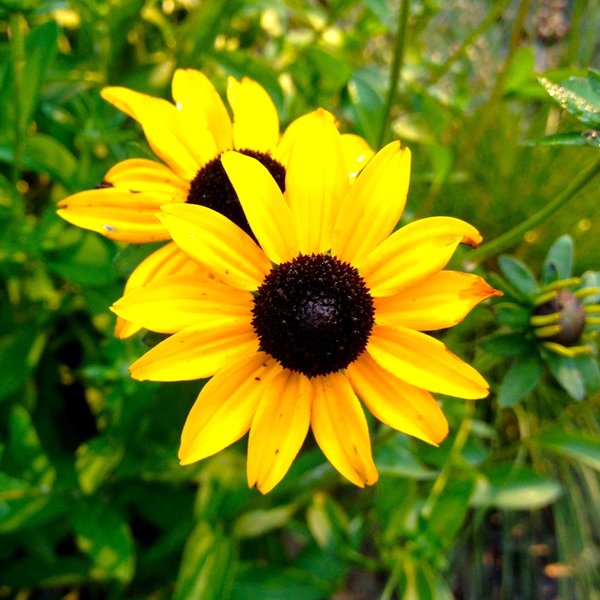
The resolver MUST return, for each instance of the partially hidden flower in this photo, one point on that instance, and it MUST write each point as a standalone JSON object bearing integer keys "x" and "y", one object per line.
{"x": 188, "y": 136}
{"x": 332, "y": 306}
{"x": 554, "y": 321}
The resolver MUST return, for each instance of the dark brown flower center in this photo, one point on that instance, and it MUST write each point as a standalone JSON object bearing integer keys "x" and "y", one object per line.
{"x": 313, "y": 314}
{"x": 571, "y": 320}
{"x": 211, "y": 187}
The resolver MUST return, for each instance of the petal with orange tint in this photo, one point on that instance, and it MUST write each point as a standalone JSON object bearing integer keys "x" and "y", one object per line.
{"x": 197, "y": 352}
{"x": 255, "y": 118}
{"x": 117, "y": 214}
{"x": 373, "y": 205}
{"x": 161, "y": 125}
{"x": 437, "y": 302}
{"x": 278, "y": 429}
{"x": 316, "y": 182}
{"x": 213, "y": 240}
{"x": 424, "y": 362}
{"x": 174, "y": 303}
{"x": 197, "y": 97}
{"x": 400, "y": 405}
{"x": 414, "y": 252}
{"x": 143, "y": 175}
{"x": 265, "y": 207}
{"x": 340, "y": 428}
{"x": 224, "y": 410}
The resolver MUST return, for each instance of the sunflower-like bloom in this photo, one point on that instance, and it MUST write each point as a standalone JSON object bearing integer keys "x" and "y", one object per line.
{"x": 329, "y": 308}
{"x": 188, "y": 137}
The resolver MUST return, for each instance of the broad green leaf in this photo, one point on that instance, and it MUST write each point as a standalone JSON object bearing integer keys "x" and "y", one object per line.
{"x": 260, "y": 521}
{"x": 396, "y": 460}
{"x": 11, "y": 487}
{"x": 512, "y": 315}
{"x": 419, "y": 580}
{"x": 518, "y": 274}
{"x": 578, "y": 97}
{"x": 209, "y": 558}
{"x": 506, "y": 344}
{"x": 27, "y": 343}
{"x": 514, "y": 488}
{"x": 103, "y": 534}
{"x": 590, "y": 371}
{"x": 559, "y": 260}
{"x": 580, "y": 446}
{"x": 565, "y": 370}
{"x": 129, "y": 257}
{"x": 96, "y": 460}
{"x": 522, "y": 377}
{"x": 31, "y": 511}
{"x": 367, "y": 106}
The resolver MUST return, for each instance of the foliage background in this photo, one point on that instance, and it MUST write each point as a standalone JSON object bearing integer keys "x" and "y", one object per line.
{"x": 93, "y": 503}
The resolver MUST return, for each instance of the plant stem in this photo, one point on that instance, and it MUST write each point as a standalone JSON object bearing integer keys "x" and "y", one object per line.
{"x": 17, "y": 50}
{"x": 514, "y": 235}
{"x": 395, "y": 70}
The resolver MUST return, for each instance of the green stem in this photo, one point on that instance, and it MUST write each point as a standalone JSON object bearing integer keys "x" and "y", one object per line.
{"x": 514, "y": 235}
{"x": 487, "y": 112}
{"x": 17, "y": 50}
{"x": 396, "y": 69}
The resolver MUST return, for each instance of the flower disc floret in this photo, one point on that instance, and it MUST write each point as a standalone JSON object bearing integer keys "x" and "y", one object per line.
{"x": 211, "y": 187}
{"x": 314, "y": 314}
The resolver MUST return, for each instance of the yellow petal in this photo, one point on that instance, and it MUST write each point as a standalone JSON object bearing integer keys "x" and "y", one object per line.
{"x": 316, "y": 181}
{"x": 142, "y": 175}
{"x": 265, "y": 207}
{"x": 413, "y": 252}
{"x": 223, "y": 411}
{"x": 403, "y": 407}
{"x": 424, "y": 362}
{"x": 197, "y": 96}
{"x": 357, "y": 153}
{"x": 437, "y": 302}
{"x": 197, "y": 352}
{"x": 117, "y": 214}
{"x": 373, "y": 205}
{"x": 213, "y": 240}
{"x": 255, "y": 119}
{"x": 177, "y": 302}
{"x": 340, "y": 428}
{"x": 161, "y": 125}
{"x": 278, "y": 429}
{"x": 282, "y": 151}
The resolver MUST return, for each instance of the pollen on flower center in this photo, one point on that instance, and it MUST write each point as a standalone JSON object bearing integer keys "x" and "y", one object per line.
{"x": 313, "y": 314}
{"x": 211, "y": 187}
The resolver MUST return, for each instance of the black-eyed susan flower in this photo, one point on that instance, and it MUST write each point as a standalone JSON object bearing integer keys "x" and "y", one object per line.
{"x": 330, "y": 307}
{"x": 188, "y": 136}
{"x": 554, "y": 321}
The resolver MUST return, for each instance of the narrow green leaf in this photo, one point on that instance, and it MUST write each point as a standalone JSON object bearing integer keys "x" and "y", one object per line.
{"x": 522, "y": 377}
{"x": 96, "y": 460}
{"x": 207, "y": 565}
{"x": 518, "y": 488}
{"x": 258, "y": 522}
{"x": 506, "y": 344}
{"x": 588, "y": 138}
{"x": 559, "y": 260}
{"x": 580, "y": 446}
{"x": 565, "y": 371}
{"x": 518, "y": 274}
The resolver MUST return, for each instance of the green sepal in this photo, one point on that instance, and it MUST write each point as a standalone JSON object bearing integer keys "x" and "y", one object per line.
{"x": 518, "y": 274}
{"x": 522, "y": 377}
{"x": 559, "y": 260}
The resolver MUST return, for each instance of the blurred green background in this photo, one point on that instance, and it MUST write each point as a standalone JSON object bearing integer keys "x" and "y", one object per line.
{"x": 93, "y": 503}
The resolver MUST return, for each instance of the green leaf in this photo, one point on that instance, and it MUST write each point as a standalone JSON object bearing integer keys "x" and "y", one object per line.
{"x": 565, "y": 370}
{"x": 366, "y": 104}
{"x": 506, "y": 344}
{"x": 396, "y": 460}
{"x": 522, "y": 377}
{"x": 559, "y": 260}
{"x": 96, "y": 460}
{"x": 577, "y": 96}
{"x": 518, "y": 274}
{"x": 582, "y": 447}
{"x": 590, "y": 371}
{"x": 260, "y": 521}
{"x": 512, "y": 315}
{"x": 102, "y": 533}
{"x": 588, "y": 138}
{"x": 11, "y": 487}
{"x": 515, "y": 488}
{"x": 207, "y": 565}
{"x": 27, "y": 343}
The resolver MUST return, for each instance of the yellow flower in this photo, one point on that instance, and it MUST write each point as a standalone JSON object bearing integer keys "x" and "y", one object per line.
{"x": 188, "y": 136}
{"x": 332, "y": 305}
